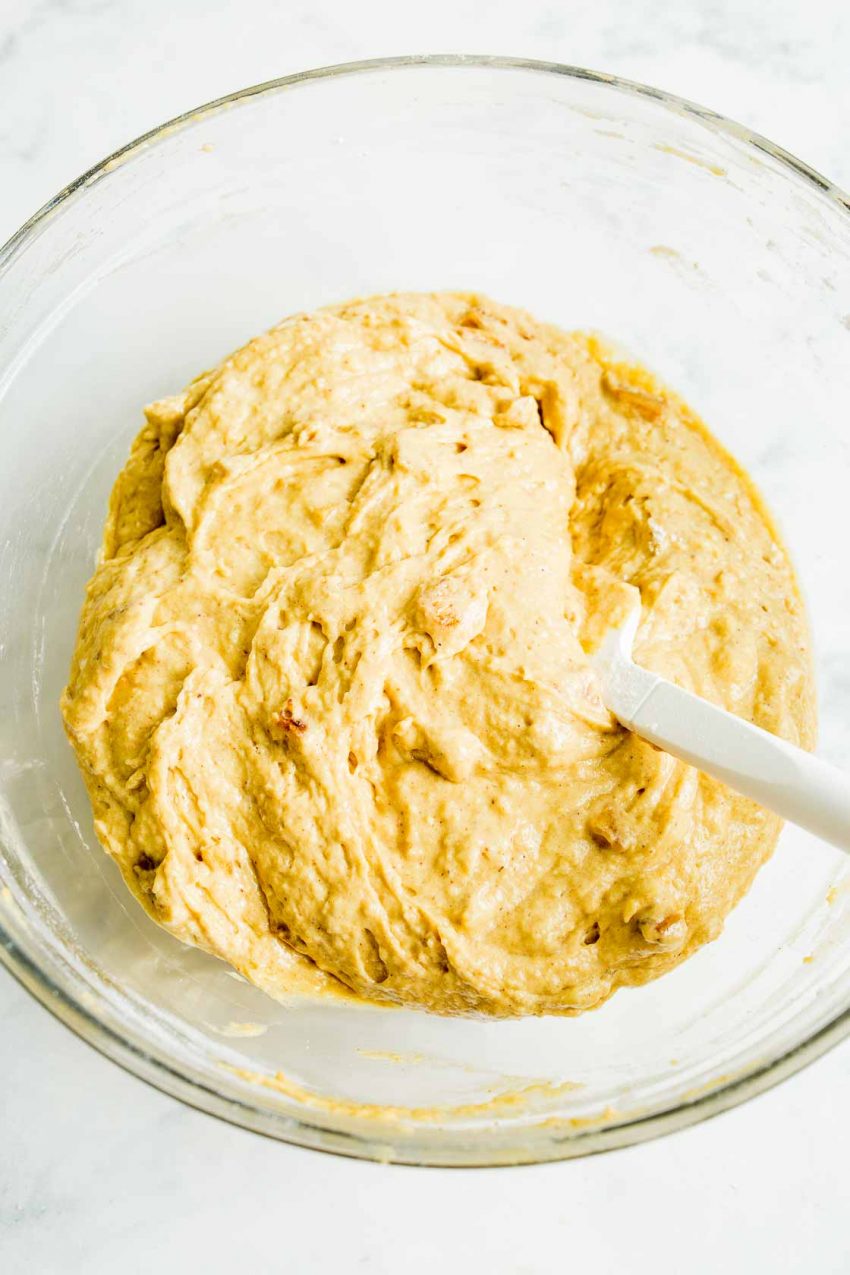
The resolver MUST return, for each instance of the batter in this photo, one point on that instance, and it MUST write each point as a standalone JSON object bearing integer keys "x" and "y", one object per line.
{"x": 331, "y": 694}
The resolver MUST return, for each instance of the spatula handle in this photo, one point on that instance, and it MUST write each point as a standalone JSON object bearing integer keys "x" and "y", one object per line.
{"x": 776, "y": 774}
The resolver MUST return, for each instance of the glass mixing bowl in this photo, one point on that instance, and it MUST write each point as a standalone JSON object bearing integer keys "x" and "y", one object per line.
{"x": 713, "y": 257}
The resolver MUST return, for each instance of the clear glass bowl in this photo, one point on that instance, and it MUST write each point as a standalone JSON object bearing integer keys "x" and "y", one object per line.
{"x": 710, "y": 255}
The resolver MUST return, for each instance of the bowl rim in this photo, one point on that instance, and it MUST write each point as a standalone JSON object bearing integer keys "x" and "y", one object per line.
{"x": 427, "y": 1145}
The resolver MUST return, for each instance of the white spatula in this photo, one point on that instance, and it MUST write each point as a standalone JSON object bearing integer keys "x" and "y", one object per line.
{"x": 776, "y": 774}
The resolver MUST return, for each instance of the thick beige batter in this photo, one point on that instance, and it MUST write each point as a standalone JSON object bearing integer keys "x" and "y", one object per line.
{"x": 331, "y": 694}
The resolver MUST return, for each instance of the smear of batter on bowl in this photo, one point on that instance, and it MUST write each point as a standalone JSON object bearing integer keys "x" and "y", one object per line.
{"x": 715, "y": 169}
{"x": 331, "y": 694}
{"x": 515, "y": 1096}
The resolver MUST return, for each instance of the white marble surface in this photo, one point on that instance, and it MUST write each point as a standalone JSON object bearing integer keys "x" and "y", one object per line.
{"x": 99, "y": 1172}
